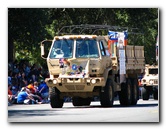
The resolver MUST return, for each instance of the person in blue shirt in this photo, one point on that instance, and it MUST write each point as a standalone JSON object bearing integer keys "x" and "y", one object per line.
{"x": 44, "y": 91}
{"x": 24, "y": 95}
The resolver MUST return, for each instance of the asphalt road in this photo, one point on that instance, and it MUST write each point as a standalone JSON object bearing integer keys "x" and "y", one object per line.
{"x": 144, "y": 111}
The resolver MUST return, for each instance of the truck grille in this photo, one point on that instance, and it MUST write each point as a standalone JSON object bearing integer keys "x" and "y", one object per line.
{"x": 76, "y": 87}
{"x": 155, "y": 81}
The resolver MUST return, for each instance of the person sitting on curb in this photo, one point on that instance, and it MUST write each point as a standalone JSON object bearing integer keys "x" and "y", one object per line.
{"x": 11, "y": 97}
{"x": 24, "y": 97}
{"x": 33, "y": 92}
{"x": 43, "y": 90}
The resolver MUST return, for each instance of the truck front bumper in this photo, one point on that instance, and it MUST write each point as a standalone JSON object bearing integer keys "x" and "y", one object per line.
{"x": 75, "y": 84}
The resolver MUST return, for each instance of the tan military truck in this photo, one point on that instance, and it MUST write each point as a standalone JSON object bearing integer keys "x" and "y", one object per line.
{"x": 149, "y": 82}
{"x": 83, "y": 66}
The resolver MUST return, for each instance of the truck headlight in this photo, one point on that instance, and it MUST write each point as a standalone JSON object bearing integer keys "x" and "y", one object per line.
{"x": 55, "y": 81}
{"x": 93, "y": 81}
{"x": 151, "y": 82}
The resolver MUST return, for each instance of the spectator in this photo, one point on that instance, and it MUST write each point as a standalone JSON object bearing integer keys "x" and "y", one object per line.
{"x": 14, "y": 90}
{"x": 26, "y": 69}
{"x": 10, "y": 77}
{"x": 33, "y": 92}
{"x": 34, "y": 73}
{"x": 14, "y": 80}
{"x": 43, "y": 90}
{"x": 31, "y": 87}
{"x": 11, "y": 97}
{"x": 19, "y": 75}
{"x": 16, "y": 69}
{"x": 36, "y": 88}
{"x": 23, "y": 80}
{"x": 25, "y": 98}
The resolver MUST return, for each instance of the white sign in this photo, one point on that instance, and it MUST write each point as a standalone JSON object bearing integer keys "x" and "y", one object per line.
{"x": 122, "y": 54}
{"x": 122, "y": 62}
{"x": 122, "y": 68}
{"x": 121, "y": 39}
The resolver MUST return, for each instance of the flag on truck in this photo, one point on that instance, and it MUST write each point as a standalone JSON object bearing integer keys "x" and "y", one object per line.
{"x": 114, "y": 37}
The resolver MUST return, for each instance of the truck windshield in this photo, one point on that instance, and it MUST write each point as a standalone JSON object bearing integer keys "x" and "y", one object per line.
{"x": 86, "y": 48}
{"x": 62, "y": 49}
{"x": 153, "y": 71}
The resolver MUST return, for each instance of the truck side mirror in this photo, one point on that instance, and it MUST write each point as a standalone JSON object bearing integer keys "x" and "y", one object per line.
{"x": 42, "y": 50}
{"x": 45, "y": 47}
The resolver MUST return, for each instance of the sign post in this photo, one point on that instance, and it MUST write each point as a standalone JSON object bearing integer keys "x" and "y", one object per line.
{"x": 122, "y": 58}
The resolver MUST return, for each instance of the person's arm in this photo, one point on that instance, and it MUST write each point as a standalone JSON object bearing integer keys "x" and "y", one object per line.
{"x": 41, "y": 89}
{"x": 30, "y": 97}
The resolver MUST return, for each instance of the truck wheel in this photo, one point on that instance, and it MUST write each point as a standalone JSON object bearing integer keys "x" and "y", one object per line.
{"x": 145, "y": 94}
{"x": 55, "y": 100}
{"x": 125, "y": 93}
{"x": 135, "y": 92}
{"x": 107, "y": 96}
{"x": 86, "y": 101}
{"x": 77, "y": 101}
{"x": 155, "y": 95}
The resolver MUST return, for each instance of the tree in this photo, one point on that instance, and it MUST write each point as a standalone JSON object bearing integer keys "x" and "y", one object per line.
{"x": 27, "y": 27}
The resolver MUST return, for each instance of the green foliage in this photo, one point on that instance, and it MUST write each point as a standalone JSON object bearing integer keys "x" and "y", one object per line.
{"x": 27, "y": 27}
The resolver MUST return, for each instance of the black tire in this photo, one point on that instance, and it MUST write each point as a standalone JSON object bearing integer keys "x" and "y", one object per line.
{"x": 107, "y": 95}
{"x": 55, "y": 100}
{"x": 86, "y": 101}
{"x": 145, "y": 93}
{"x": 77, "y": 101}
{"x": 125, "y": 96}
{"x": 155, "y": 94}
{"x": 135, "y": 92}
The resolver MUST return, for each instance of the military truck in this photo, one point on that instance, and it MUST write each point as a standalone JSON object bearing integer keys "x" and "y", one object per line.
{"x": 82, "y": 66}
{"x": 149, "y": 82}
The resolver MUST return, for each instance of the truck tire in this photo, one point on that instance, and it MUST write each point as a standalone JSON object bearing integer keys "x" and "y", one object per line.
{"x": 107, "y": 95}
{"x": 145, "y": 93}
{"x": 125, "y": 96}
{"x": 86, "y": 101}
{"x": 155, "y": 94}
{"x": 77, "y": 101}
{"x": 55, "y": 100}
{"x": 134, "y": 92}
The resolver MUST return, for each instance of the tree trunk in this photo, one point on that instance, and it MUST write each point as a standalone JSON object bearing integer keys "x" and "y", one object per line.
{"x": 10, "y": 50}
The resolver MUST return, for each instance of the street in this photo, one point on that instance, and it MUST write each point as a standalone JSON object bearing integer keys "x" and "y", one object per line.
{"x": 144, "y": 111}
